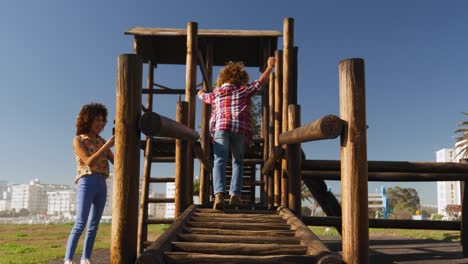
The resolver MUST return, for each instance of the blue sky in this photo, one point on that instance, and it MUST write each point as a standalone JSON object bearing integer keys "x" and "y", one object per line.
{"x": 58, "y": 56}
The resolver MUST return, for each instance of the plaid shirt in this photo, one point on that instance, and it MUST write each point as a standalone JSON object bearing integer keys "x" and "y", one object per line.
{"x": 231, "y": 108}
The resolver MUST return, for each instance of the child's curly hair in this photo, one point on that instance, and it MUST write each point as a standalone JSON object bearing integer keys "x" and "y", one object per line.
{"x": 233, "y": 73}
{"x": 86, "y": 116}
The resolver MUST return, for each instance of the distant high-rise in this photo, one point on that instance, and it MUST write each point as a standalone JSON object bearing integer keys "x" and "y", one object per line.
{"x": 448, "y": 192}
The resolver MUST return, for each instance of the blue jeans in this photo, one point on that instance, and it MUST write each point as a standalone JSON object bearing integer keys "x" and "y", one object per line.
{"x": 91, "y": 196}
{"x": 222, "y": 141}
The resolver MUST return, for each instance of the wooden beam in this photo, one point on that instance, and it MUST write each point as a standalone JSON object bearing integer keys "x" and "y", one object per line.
{"x": 386, "y": 223}
{"x": 390, "y": 166}
{"x": 354, "y": 162}
{"x": 278, "y": 121}
{"x": 294, "y": 162}
{"x": 270, "y": 185}
{"x": 156, "y": 125}
{"x": 204, "y": 70}
{"x": 202, "y": 157}
{"x": 327, "y": 127}
{"x": 155, "y": 252}
{"x": 315, "y": 247}
{"x": 277, "y": 154}
{"x": 183, "y": 257}
{"x": 464, "y": 220}
{"x": 389, "y": 176}
{"x": 127, "y": 160}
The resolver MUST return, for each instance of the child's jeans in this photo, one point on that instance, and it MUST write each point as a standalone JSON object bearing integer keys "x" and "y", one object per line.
{"x": 222, "y": 141}
{"x": 90, "y": 197}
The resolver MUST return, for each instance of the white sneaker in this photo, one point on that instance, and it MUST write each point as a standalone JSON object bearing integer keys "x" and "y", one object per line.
{"x": 68, "y": 262}
{"x": 85, "y": 261}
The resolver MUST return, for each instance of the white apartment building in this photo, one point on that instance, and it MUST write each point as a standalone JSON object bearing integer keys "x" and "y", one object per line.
{"x": 29, "y": 196}
{"x": 170, "y": 207}
{"x": 108, "y": 207}
{"x": 157, "y": 210}
{"x": 3, "y": 188}
{"x": 61, "y": 202}
{"x": 448, "y": 192}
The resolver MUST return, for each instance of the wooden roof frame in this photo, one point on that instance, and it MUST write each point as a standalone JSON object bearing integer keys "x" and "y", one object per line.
{"x": 168, "y": 45}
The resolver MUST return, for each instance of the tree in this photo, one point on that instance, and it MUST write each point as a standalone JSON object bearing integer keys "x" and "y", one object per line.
{"x": 23, "y": 212}
{"x": 256, "y": 107}
{"x": 196, "y": 187}
{"x": 403, "y": 198}
{"x": 306, "y": 211}
{"x": 461, "y": 140}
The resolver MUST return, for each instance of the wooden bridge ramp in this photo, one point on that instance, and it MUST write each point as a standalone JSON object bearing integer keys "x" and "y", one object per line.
{"x": 243, "y": 236}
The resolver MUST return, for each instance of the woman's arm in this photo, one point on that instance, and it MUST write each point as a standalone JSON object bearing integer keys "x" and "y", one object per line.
{"x": 110, "y": 156}
{"x": 83, "y": 154}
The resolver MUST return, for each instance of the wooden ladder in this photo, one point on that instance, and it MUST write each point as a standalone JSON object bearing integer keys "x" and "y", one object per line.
{"x": 242, "y": 236}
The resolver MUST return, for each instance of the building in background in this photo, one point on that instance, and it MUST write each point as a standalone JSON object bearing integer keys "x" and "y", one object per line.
{"x": 448, "y": 192}
{"x": 5, "y": 196}
{"x": 157, "y": 210}
{"x": 62, "y": 202}
{"x": 170, "y": 193}
{"x": 108, "y": 207}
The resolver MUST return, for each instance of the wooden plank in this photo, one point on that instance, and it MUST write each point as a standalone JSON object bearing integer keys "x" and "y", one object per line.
{"x": 156, "y": 125}
{"x": 355, "y": 226}
{"x": 315, "y": 247}
{"x": 464, "y": 220}
{"x": 277, "y": 153}
{"x": 202, "y": 32}
{"x": 391, "y": 166}
{"x": 152, "y": 221}
{"x": 239, "y": 232}
{"x": 154, "y": 253}
{"x": 238, "y": 239}
{"x": 161, "y": 180}
{"x": 239, "y": 249}
{"x": 181, "y": 170}
{"x": 161, "y": 200}
{"x": 183, "y": 257}
{"x": 269, "y": 180}
{"x": 127, "y": 160}
{"x": 327, "y": 127}
{"x": 202, "y": 156}
{"x": 239, "y": 220}
{"x": 234, "y": 215}
{"x": 241, "y": 226}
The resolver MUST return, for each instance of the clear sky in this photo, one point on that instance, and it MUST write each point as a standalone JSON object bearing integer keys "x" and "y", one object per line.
{"x": 58, "y": 56}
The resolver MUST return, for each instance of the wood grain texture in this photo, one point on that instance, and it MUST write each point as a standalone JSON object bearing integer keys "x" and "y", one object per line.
{"x": 326, "y": 127}
{"x": 278, "y": 121}
{"x": 127, "y": 160}
{"x": 355, "y": 224}
{"x": 294, "y": 162}
{"x": 181, "y": 150}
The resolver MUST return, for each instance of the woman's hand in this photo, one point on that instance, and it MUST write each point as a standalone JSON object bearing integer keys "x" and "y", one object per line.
{"x": 110, "y": 142}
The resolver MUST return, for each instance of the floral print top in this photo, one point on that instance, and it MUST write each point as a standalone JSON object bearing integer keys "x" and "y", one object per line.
{"x": 101, "y": 166}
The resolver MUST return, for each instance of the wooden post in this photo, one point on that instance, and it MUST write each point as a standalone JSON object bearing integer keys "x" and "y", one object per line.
{"x": 143, "y": 215}
{"x": 269, "y": 184}
{"x": 181, "y": 164}
{"x": 294, "y": 162}
{"x": 464, "y": 220}
{"x": 288, "y": 51}
{"x": 190, "y": 93}
{"x": 205, "y": 130}
{"x": 354, "y": 162}
{"x": 127, "y": 160}
{"x": 278, "y": 119}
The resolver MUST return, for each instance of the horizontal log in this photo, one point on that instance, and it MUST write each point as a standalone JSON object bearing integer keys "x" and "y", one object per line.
{"x": 259, "y": 183}
{"x": 240, "y": 249}
{"x": 238, "y": 232}
{"x": 250, "y": 216}
{"x": 238, "y": 220}
{"x": 155, "y": 125}
{"x": 165, "y": 179}
{"x": 183, "y": 257}
{"x": 154, "y": 252}
{"x": 240, "y": 226}
{"x": 387, "y": 223}
{"x": 390, "y": 166}
{"x": 252, "y": 212}
{"x": 164, "y": 91}
{"x": 238, "y": 239}
{"x": 327, "y": 127}
{"x": 278, "y": 153}
{"x": 389, "y": 176}
{"x": 314, "y": 245}
{"x": 163, "y": 159}
{"x": 159, "y": 221}
{"x": 160, "y": 200}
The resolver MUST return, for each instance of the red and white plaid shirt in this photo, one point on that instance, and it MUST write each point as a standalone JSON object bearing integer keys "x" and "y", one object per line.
{"x": 231, "y": 108}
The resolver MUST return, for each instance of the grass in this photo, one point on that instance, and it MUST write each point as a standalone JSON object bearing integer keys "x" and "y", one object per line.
{"x": 30, "y": 244}
{"x": 412, "y": 233}
{"x": 41, "y": 243}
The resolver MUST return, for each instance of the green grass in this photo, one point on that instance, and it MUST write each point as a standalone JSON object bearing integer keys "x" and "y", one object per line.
{"x": 413, "y": 233}
{"x": 30, "y": 244}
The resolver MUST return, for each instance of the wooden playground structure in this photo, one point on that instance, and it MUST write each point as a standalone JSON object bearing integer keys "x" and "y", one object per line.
{"x": 269, "y": 229}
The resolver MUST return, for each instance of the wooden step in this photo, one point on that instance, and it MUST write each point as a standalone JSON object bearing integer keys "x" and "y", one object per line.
{"x": 160, "y": 200}
{"x": 239, "y": 248}
{"x": 241, "y": 226}
{"x": 167, "y": 179}
{"x": 262, "y": 212}
{"x": 183, "y": 257}
{"x": 238, "y": 239}
{"x": 220, "y": 219}
{"x": 233, "y": 215}
{"x": 239, "y": 232}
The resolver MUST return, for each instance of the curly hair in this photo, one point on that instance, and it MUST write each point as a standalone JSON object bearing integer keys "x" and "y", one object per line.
{"x": 86, "y": 116}
{"x": 233, "y": 73}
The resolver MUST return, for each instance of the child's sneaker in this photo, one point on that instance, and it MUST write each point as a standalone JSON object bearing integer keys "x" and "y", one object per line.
{"x": 219, "y": 201}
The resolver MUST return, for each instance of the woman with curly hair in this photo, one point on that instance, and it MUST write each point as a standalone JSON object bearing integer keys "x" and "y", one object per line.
{"x": 231, "y": 125}
{"x": 92, "y": 154}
